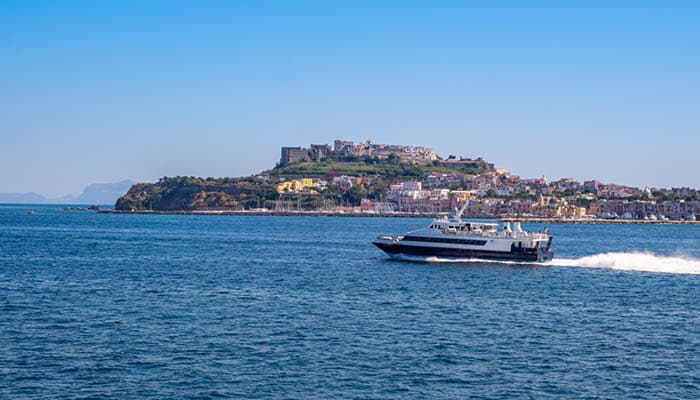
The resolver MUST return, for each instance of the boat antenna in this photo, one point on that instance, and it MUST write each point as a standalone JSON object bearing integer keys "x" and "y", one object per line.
{"x": 458, "y": 214}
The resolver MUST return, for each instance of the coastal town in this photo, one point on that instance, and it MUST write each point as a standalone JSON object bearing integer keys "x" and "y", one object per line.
{"x": 372, "y": 179}
{"x": 494, "y": 192}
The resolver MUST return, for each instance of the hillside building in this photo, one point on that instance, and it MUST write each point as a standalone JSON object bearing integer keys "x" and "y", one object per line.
{"x": 293, "y": 154}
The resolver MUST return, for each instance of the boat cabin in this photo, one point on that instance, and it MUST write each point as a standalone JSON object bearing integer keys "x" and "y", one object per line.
{"x": 459, "y": 226}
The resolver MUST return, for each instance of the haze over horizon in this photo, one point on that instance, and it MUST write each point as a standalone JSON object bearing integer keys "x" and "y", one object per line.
{"x": 102, "y": 92}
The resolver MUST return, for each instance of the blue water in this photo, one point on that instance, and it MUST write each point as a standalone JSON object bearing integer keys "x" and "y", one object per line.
{"x": 147, "y": 306}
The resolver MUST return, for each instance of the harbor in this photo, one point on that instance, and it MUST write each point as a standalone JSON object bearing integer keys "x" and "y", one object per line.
{"x": 373, "y": 214}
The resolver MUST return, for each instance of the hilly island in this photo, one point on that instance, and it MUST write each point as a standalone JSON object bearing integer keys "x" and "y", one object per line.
{"x": 379, "y": 179}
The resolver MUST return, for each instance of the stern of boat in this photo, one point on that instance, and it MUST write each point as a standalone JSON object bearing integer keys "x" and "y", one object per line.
{"x": 546, "y": 253}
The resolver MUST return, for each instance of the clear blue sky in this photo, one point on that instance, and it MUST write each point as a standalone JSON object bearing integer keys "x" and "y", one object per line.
{"x": 104, "y": 91}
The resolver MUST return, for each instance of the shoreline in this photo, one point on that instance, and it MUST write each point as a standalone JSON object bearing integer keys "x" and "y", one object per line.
{"x": 594, "y": 221}
{"x": 280, "y": 213}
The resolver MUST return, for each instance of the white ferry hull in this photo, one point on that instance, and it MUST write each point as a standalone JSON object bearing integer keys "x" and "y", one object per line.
{"x": 454, "y": 238}
{"x": 394, "y": 247}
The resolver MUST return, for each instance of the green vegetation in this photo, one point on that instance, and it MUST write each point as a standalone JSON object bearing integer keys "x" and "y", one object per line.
{"x": 386, "y": 169}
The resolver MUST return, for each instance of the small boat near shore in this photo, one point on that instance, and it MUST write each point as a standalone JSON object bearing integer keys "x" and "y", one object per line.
{"x": 453, "y": 238}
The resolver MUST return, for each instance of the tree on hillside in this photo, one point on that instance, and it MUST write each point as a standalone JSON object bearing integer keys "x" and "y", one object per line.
{"x": 353, "y": 196}
{"x": 393, "y": 159}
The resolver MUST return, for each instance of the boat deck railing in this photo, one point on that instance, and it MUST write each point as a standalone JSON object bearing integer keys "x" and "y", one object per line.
{"x": 499, "y": 234}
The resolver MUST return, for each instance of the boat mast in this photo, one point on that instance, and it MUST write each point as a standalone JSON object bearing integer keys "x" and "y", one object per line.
{"x": 457, "y": 217}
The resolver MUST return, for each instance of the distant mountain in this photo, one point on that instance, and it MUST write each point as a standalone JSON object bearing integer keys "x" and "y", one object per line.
{"x": 96, "y": 193}
{"x": 104, "y": 193}
{"x": 22, "y": 198}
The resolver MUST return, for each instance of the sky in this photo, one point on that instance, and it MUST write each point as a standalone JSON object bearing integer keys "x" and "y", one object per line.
{"x": 105, "y": 91}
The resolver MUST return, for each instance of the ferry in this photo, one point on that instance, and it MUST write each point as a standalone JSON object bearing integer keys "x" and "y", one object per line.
{"x": 451, "y": 237}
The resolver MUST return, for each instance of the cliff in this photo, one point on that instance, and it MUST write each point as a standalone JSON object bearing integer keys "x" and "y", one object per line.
{"x": 190, "y": 193}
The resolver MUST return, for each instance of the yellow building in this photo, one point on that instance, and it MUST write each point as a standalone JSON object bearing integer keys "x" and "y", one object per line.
{"x": 594, "y": 208}
{"x": 285, "y": 187}
{"x": 572, "y": 211}
{"x": 580, "y": 211}
{"x": 295, "y": 186}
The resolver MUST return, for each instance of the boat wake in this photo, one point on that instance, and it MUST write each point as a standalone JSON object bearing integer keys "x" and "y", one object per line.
{"x": 634, "y": 261}
{"x": 629, "y": 261}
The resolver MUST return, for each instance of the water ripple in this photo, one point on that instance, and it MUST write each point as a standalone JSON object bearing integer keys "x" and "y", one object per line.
{"x": 104, "y": 306}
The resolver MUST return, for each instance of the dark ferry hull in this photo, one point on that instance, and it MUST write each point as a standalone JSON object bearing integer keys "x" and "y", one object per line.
{"x": 396, "y": 248}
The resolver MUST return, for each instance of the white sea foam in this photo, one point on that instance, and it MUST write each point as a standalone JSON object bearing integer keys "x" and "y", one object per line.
{"x": 634, "y": 261}
{"x": 434, "y": 259}
{"x": 631, "y": 261}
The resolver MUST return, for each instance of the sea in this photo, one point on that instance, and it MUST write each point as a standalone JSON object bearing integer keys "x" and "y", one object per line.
{"x": 111, "y": 306}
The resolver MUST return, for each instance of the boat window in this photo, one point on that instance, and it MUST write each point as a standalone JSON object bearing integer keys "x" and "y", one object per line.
{"x": 411, "y": 238}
